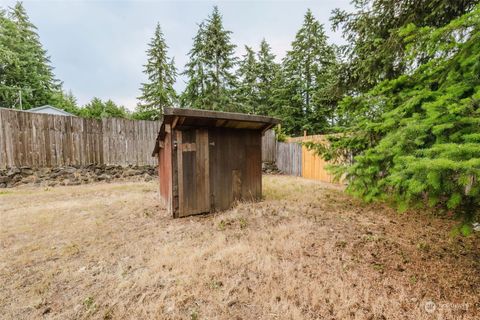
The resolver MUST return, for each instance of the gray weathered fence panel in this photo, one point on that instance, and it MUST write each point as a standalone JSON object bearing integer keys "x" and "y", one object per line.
{"x": 269, "y": 146}
{"x": 39, "y": 140}
{"x": 289, "y": 158}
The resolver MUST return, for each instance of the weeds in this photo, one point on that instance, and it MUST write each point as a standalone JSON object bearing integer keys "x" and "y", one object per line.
{"x": 413, "y": 279}
{"x": 423, "y": 246}
{"x": 243, "y": 222}
{"x": 379, "y": 267}
{"x": 194, "y": 315}
{"x": 89, "y": 304}
{"x": 215, "y": 284}
{"x": 71, "y": 250}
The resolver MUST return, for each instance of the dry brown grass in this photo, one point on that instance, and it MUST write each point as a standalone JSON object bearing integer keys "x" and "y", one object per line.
{"x": 108, "y": 251}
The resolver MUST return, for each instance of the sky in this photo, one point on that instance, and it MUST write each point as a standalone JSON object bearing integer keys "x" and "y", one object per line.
{"x": 97, "y": 47}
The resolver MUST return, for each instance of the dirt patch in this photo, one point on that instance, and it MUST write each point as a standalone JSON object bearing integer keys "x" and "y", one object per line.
{"x": 108, "y": 251}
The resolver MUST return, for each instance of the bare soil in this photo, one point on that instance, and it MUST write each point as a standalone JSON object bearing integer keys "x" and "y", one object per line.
{"x": 308, "y": 251}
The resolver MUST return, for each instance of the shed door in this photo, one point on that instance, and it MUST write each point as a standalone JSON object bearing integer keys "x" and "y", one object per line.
{"x": 193, "y": 172}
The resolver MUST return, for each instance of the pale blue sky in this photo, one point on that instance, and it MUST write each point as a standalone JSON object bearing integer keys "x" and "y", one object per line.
{"x": 98, "y": 47}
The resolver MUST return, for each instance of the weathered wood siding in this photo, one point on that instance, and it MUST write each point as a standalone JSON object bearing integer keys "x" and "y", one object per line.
{"x": 214, "y": 167}
{"x": 289, "y": 158}
{"x": 269, "y": 146}
{"x": 42, "y": 140}
{"x": 235, "y": 166}
{"x": 193, "y": 171}
{"x": 165, "y": 170}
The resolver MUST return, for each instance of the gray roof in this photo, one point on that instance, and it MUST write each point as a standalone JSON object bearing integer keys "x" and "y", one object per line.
{"x": 46, "y": 107}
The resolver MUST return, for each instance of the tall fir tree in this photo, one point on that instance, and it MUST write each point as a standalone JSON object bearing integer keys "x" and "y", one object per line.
{"x": 99, "y": 109}
{"x": 246, "y": 94}
{"x": 416, "y": 138}
{"x": 267, "y": 73}
{"x": 327, "y": 97}
{"x": 33, "y": 76}
{"x": 195, "y": 91}
{"x": 306, "y": 70}
{"x": 158, "y": 92}
{"x": 9, "y": 62}
{"x": 211, "y": 81}
{"x": 375, "y": 51}
{"x": 65, "y": 101}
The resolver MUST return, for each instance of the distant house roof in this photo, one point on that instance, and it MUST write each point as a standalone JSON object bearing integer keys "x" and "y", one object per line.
{"x": 48, "y": 109}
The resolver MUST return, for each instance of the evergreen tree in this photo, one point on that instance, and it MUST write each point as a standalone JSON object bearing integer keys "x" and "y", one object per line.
{"x": 257, "y": 76}
{"x": 195, "y": 91}
{"x": 65, "y": 101}
{"x": 415, "y": 139}
{"x": 268, "y": 72}
{"x": 32, "y": 73}
{"x": 211, "y": 80}
{"x": 9, "y": 62}
{"x": 327, "y": 97}
{"x": 283, "y": 94}
{"x": 98, "y": 109}
{"x": 158, "y": 92}
{"x": 246, "y": 95}
{"x": 306, "y": 68}
{"x": 26, "y": 78}
{"x": 375, "y": 51}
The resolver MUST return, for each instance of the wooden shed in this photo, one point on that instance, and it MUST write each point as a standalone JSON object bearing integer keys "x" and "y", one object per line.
{"x": 207, "y": 159}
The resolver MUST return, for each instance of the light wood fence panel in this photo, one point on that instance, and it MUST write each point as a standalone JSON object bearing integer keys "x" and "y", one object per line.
{"x": 289, "y": 158}
{"x": 314, "y": 166}
{"x": 43, "y": 140}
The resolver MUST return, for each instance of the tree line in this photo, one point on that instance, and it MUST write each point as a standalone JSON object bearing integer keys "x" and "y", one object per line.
{"x": 26, "y": 75}
{"x": 300, "y": 89}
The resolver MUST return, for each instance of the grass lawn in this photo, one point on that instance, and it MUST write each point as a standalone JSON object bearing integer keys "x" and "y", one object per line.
{"x": 109, "y": 251}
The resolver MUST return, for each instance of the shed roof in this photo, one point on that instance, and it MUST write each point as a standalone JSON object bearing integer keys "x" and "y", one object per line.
{"x": 183, "y": 117}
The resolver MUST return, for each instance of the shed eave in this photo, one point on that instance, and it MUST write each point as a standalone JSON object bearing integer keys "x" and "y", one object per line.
{"x": 184, "y": 117}
{"x": 229, "y": 116}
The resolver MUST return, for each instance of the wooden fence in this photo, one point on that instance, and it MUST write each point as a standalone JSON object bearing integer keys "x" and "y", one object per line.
{"x": 289, "y": 158}
{"x": 42, "y": 140}
{"x": 269, "y": 149}
{"x": 295, "y": 159}
{"x": 314, "y": 166}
